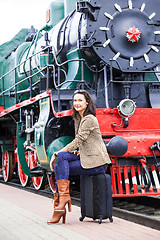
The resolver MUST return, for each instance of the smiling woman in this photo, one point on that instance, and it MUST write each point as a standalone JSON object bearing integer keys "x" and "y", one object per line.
{"x": 80, "y": 103}
{"x": 85, "y": 155}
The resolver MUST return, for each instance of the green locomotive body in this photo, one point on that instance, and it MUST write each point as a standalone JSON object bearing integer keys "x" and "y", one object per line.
{"x": 111, "y": 50}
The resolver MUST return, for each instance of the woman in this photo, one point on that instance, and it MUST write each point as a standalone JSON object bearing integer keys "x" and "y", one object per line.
{"x": 85, "y": 155}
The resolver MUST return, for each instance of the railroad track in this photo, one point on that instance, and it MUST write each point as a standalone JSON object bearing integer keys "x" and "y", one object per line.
{"x": 141, "y": 210}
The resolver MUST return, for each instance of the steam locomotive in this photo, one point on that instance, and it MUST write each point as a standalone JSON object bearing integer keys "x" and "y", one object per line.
{"x": 111, "y": 49}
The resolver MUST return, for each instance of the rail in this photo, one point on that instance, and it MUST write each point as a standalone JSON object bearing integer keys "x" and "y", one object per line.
{"x": 59, "y": 84}
{"x": 62, "y": 64}
{"x": 31, "y": 75}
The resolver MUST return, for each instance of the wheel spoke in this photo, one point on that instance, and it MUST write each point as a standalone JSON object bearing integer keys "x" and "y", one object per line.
{"x": 52, "y": 182}
{"x": 38, "y": 182}
{"x": 24, "y": 179}
{"x": 7, "y": 165}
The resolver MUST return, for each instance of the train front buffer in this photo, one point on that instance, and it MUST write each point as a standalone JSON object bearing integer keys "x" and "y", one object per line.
{"x": 137, "y": 172}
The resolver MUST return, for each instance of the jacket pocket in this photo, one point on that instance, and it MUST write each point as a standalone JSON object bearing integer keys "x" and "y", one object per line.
{"x": 92, "y": 152}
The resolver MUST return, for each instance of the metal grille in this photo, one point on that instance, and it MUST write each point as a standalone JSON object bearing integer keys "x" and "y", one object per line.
{"x": 127, "y": 181}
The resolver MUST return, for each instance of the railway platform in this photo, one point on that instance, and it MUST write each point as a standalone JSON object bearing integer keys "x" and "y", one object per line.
{"x": 23, "y": 215}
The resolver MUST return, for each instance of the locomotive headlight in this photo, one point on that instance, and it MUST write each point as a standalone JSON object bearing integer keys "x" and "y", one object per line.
{"x": 126, "y": 108}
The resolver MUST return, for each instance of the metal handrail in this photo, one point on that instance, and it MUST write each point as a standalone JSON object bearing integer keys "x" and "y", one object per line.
{"x": 16, "y": 67}
{"x": 41, "y": 70}
{"x": 22, "y": 81}
{"x": 23, "y": 62}
{"x": 82, "y": 60}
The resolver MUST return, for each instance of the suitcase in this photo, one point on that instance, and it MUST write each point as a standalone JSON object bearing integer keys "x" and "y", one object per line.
{"x": 96, "y": 197}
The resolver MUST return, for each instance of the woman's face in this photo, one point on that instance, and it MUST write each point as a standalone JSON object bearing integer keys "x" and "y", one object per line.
{"x": 79, "y": 103}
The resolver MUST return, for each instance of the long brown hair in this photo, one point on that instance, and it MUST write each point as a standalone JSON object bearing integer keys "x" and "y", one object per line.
{"x": 91, "y": 107}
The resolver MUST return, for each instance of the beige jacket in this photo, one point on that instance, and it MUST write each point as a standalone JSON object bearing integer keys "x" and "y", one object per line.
{"x": 88, "y": 139}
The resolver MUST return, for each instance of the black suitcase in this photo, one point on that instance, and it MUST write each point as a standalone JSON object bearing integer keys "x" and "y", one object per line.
{"x": 96, "y": 197}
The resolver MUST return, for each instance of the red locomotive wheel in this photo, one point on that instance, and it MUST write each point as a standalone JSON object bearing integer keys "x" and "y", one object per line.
{"x": 24, "y": 179}
{"x": 7, "y": 165}
{"x": 38, "y": 182}
{"x": 52, "y": 182}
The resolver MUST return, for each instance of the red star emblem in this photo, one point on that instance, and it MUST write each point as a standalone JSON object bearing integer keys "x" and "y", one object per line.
{"x": 133, "y": 34}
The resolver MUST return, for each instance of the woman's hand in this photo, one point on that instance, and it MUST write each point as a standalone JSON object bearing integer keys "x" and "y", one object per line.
{"x": 53, "y": 161}
{"x": 76, "y": 152}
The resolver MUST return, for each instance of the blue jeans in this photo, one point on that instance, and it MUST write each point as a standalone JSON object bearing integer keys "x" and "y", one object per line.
{"x": 69, "y": 163}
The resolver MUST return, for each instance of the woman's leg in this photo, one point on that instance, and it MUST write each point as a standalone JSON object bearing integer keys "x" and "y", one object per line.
{"x": 62, "y": 176}
{"x": 56, "y": 176}
{"x": 69, "y": 163}
{"x": 62, "y": 165}
{"x": 75, "y": 168}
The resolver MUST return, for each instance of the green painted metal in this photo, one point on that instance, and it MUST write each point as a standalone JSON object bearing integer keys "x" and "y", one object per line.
{"x": 55, "y": 13}
{"x": 7, "y": 48}
{"x": 7, "y": 148}
{"x": 149, "y": 77}
{"x": 21, "y": 151}
{"x": 23, "y": 52}
{"x": 9, "y": 80}
{"x": 10, "y": 62}
{"x": 74, "y": 70}
{"x": 44, "y": 59}
{"x": 20, "y": 52}
{"x": 20, "y": 73}
{"x": 57, "y": 145}
{"x": 40, "y": 131}
{"x": 69, "y": 6}
{"x": 7, "y": 62}
{"x": 7, "y": 145}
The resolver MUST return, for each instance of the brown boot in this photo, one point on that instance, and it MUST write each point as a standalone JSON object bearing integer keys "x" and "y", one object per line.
{"x": 56, "y": 199}
{"x": 56, "y": 202}
{"x": 57, "y": 215}
{"x": 64, "y": 196}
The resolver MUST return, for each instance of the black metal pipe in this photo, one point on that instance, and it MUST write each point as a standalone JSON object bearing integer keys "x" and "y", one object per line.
{"x": 106, "y": 87}
{"x": 30, "y": 78}
{"x": 47, "y": 84}
{"x": 111, "y": 82}
{"x": 15, "y": 84}
{"x": 59, "y": 102}
{"x": 3, "y": 91}
{"x": 20, "y": 114}
{"x": 82, "y": 74}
